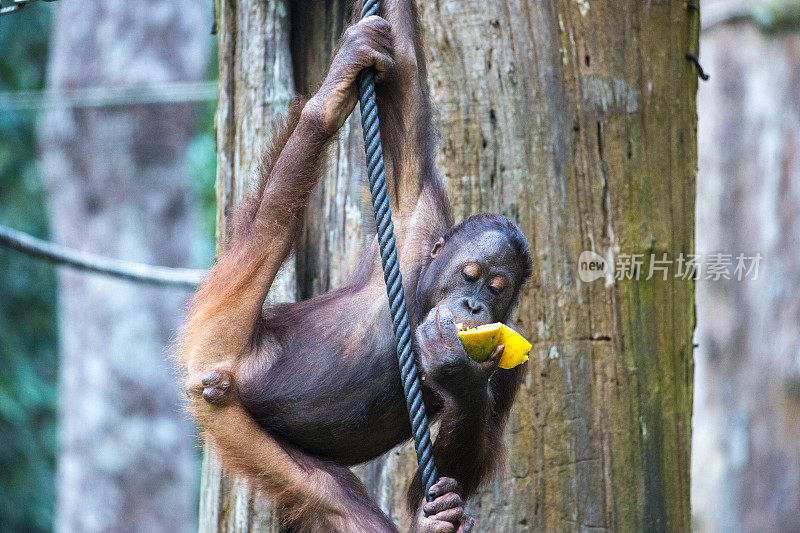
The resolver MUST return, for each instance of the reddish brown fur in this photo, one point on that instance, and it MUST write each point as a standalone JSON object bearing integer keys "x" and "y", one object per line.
{"x": 226, "y": 287}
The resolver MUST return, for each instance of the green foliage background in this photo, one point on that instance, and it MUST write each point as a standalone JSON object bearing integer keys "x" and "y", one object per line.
{"x": 28, "y": 336}
{"x": 28, "y": 290}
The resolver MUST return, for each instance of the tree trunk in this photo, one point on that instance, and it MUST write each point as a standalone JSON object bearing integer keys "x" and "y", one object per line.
{"x": 746, "y": 476}
{"x": 578, "y": 122}
{"x": 117, "y": 186}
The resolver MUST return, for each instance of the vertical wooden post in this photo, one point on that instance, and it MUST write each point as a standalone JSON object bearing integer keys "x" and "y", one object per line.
{"x": 578, "y": 121}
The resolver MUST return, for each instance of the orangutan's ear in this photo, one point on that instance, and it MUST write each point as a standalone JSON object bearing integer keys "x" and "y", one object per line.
{"x": 437, "y": 248}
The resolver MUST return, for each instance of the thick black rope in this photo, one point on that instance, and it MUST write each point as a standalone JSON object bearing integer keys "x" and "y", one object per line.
{"x": 391, "y": 269}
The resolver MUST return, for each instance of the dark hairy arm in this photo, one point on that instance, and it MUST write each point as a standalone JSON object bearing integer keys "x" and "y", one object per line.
{"x": 406, "y": 119}
{"x": 470, "y": 445}
{"x": 265, "y": 227}
{"x": 476, "y": 399}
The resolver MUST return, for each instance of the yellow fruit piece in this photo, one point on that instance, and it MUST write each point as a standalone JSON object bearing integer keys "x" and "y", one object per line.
{"x": 479, "y": 343}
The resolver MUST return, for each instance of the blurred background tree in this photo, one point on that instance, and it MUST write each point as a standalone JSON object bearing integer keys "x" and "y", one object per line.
{"x": 746, "y": 441}
{"x": 28, "y": 298}
{"x": 117, "y": 185}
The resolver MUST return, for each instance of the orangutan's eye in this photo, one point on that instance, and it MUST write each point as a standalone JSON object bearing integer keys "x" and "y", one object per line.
{"x": 471, "y": 272}
{"x": 497, "y": 285}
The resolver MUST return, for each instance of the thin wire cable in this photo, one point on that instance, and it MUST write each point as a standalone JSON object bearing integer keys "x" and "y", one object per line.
{"x": 164, "y": 93}
{"x": 184, "y": 278}
{"x": 391, "y": 270}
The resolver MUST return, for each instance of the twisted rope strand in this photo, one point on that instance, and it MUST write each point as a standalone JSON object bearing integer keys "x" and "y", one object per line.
{"x": 391, "y": 269}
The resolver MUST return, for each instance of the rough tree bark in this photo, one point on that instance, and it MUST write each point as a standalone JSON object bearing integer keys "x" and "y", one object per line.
{"x": 746, "y": 472}
{"x": 578, "y": 121}
{"x": 117, "y": 186}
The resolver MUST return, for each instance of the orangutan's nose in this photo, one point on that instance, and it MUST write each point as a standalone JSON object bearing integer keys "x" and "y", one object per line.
{"x": 473, "y": 306}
